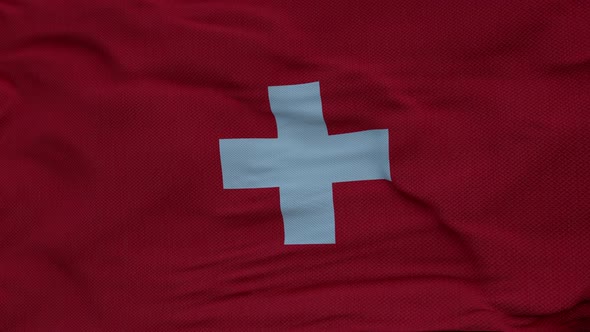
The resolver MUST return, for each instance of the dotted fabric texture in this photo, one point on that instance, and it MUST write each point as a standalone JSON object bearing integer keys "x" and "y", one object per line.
{"x": 113, "y": 215}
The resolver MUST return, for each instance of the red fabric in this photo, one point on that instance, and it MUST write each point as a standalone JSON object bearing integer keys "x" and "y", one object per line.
{"x": 113, "y": 213}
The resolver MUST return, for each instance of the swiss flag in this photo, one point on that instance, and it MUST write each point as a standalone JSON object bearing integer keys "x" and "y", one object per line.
{"x": 180, "y": 165}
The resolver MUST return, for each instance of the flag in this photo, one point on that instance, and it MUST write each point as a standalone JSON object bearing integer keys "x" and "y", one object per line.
{"x": 259, "y": 165}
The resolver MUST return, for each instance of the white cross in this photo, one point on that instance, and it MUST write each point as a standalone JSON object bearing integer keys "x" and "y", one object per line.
{"x": 304, "y": 161}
